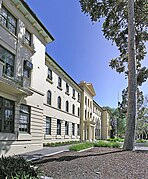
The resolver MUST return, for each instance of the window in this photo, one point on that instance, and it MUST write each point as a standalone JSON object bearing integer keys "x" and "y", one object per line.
{"x": 67, "y": 88}
{"x": 8, "y": 20}
{"x": 8, "y": 59}
{"x": 73, "y": 129}
{"x": 59, "y": 102}
{"x": 73, "y": 93}
{"x": 67, "y": 106}
{"x": 27, "y": 67}
{"x": 79, "y": 97}
{"x": 85, "y": 100}
{"x": 49, "y": 97}
{"x": 28, "y": 37}
{"x": 48, "y": 125}
{"x": 88, "y": 102}
{"x": 66, "y": 128}
{"x": 6, "y": 115}
{"x": 24, "y": 120}
{"x": 49, "y": 74}
{"x": 78, "y": 129}
{"x": 78, "y": 111}
{"x": 85, "y": 114}
{"x": 58, "y": 127}
{"x": 59, "y": 82}
{"x": 73, "y": 109}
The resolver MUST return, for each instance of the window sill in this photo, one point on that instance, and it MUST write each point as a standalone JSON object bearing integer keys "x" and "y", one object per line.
{"x": 49, "y": 80}
{"x": 67, "y": 93}
{"x": 47, "y": 136}
{"x": 58, "y": 137}
{"x": 24, "y": 136}
{"x": 7, "y": 136}
{"x": 31, "y": 48}
{"x": 73, "y": 136}
{"x": 59, "y": 88}
{"x": 66, "y": 137}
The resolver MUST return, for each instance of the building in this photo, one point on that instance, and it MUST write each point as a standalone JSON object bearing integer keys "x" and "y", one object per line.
{"x": 39, "y": 101}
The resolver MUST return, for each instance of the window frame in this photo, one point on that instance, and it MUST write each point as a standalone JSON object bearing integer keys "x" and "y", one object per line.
{"x": 58, "y": 127}
{"x": 67, "y": 106}
{"x": 49, "y": 75}
{"x": 48, "y": 129}
{"x": 3, "y": 119}
{"x": 8, "y": 62}
{"x": 73, "y": 109}
{"x": 59, "y": 102}
{"x": 73, "y": 129}
{"x": 66, "y": 128}
{"x": 28, "y": 37}
{"x": 59, "y": 82}
{"x": 28, "y": 113}
{"x": 8, "y": 23}
{"x": 49, "y": 97}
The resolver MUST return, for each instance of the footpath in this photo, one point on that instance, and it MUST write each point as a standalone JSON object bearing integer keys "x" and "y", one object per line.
{"x": 49, "y": 151}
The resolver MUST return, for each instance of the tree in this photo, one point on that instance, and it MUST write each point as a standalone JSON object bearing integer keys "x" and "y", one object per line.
{"x": 115, "y": 28}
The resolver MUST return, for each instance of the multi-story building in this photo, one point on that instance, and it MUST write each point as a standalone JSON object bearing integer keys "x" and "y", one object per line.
{"x": 39, "y": 101}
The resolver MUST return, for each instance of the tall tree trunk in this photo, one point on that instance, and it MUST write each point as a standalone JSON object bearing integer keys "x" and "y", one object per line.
{"x": 132, "y": 81}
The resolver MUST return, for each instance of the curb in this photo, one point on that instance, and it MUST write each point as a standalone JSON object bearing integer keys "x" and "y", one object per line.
{"x": 85, "y": 149}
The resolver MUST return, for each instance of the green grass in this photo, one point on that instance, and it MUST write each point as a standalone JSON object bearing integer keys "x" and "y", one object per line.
{"x": 101, "y": 143}
{"x": 82, "y": 146}
{"x": 56, "y": 144}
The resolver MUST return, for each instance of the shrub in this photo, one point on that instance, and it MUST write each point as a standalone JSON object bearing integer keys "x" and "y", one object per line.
{"x": 18, "y": 168}
{"x": 55, "y": 144}
{"x": 116, "y": 139}
{"x": 78, "y": 147}
{"x": 141, "y": 141}
{"x": 107, "y": 144}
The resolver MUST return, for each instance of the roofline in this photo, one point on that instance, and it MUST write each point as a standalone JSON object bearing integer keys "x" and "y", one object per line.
{"x": 36, "y": 18}
{"x": 97, "y": 104}
{"x": 63, "y": 70}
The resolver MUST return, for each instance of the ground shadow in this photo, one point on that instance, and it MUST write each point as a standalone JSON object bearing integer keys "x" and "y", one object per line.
{"x": 69, "y": 158}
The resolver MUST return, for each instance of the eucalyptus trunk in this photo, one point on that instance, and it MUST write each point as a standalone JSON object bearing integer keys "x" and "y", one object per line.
{"x": 132, "y": 81}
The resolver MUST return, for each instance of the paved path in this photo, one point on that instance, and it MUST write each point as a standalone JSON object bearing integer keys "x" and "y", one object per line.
{"x": 46, "y": 151}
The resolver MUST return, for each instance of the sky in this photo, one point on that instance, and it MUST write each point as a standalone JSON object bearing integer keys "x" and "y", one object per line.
{"x": 81, "y": 49}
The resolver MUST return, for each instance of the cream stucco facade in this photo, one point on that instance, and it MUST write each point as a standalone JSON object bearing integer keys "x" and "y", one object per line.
{"x": 39, "y": 102}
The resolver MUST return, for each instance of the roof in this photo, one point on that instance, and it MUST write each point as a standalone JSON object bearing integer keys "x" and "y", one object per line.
{"x": 34, "y": 20}
{"x": 62, "y": 71}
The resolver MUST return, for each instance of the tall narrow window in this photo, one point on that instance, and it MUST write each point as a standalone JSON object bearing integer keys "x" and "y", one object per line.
{"x": 49, "y": 97}
{"x": 67, "y": 106}
{"x": 59, "y": 82}
{"x": 73, "y": 93}
{"x": 48, "y": 125}
{"x": 78, "y": 129}
{"x": 85, "y": 100}
{"x": 8, "y": 59}
{"x": 78, "y": 111}
{"x": 73, "y": 129}
{"x": 6, "y": 115}
{"x": 59, "y": 102}
{"x": 73, "y": 109}
{"x": 66, "y": 128}
{"x": 24, "y": 120}
{"x": 8, "y": 20}
{"x": 58, "y": 127}
{"x": 67, "y": 88}
{"x": 28, "y": 37}
{"x": 49, "y": 74}
{"x": 79, "y": 97}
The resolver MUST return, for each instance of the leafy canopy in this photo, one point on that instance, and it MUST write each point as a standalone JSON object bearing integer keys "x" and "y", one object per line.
{"x": 115, "y": 28}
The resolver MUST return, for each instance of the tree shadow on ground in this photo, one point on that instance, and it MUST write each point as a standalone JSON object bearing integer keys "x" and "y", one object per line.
{"x": 69, "y": 158}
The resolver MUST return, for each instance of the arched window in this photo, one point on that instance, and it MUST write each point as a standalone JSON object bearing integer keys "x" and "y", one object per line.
{"x": 78, "y": 111}
{"x": 67, "y": 106}
{"x": 73, "y": 109}
{"x": 59, "y": 102}
{"x": 49, "y": 97}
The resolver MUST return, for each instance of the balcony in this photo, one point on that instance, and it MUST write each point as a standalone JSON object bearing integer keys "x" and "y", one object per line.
{"x": 16, "y": 86}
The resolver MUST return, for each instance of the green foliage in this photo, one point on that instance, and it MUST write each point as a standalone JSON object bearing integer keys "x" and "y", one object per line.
{"x": 18, "y": 168}
{"x": 100, "y": 143}
{"x": 116, "y": 140}
{"x": 107, "y": 144}
{"x": 141, "y": 141}
{"x": 56, "y": 144}
{"x": 78, "y": 147}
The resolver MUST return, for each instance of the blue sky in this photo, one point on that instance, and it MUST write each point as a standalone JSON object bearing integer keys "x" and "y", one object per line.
{"x": 81, "y": 49}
